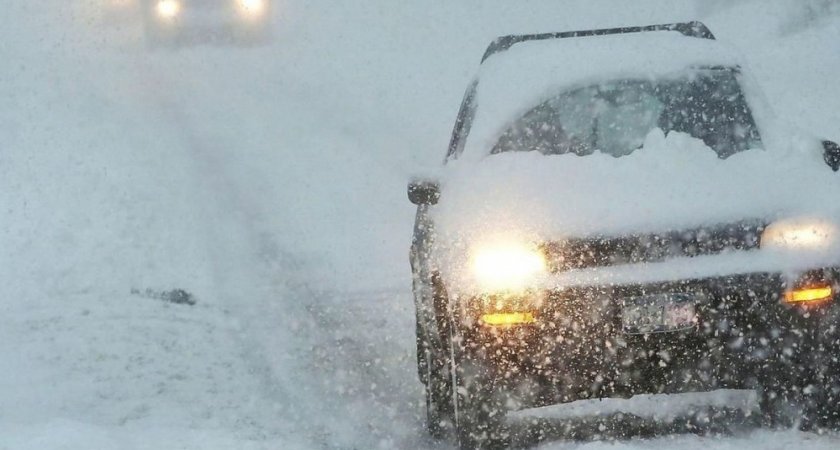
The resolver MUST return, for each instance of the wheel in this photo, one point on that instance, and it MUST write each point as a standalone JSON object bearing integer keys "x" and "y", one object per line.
{"x": 433, "y": 367}
{"x": 434, "y": 363}
{"x": 479, "y": 411}
{"x": 439, "y": 407}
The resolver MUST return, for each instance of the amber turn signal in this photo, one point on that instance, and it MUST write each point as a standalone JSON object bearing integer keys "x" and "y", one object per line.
{"x": 809, "y": 295}
{"x": 510, "y": 318}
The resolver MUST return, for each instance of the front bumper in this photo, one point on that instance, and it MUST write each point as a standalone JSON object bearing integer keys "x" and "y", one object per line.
{"x": 577, "y": 348}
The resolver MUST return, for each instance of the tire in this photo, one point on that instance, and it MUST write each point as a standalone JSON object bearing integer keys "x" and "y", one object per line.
{"x": 479, "y": 411}
{"x": 438, "y": 389}
{"x": 421, "y": 344}
{"x": 433, "y": 367}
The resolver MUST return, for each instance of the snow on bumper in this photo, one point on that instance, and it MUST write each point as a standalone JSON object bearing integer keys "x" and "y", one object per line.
{"x": 577, "y": 346}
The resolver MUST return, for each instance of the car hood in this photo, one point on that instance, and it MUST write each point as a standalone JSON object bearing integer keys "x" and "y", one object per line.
{"x": 671, "y": 183}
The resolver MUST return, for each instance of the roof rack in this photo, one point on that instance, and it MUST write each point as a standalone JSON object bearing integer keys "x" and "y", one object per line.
{"x": 691, "y": 29}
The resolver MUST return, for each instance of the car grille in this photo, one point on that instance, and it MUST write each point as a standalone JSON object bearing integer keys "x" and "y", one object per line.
{"x": 603, "y": 251}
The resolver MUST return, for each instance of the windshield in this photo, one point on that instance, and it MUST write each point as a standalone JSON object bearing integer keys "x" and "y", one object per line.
{"x": 614, "y": 117}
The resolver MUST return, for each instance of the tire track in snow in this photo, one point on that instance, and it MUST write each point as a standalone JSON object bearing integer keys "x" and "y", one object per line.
{"x": 337, "y": 348}
{"x": 232, "y": 242}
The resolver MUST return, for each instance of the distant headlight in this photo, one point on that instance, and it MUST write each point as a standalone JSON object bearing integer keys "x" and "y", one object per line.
{"x": 168, "y": 9}
{"x": 800, "y": 234}
{"x": 252, "y": 7}
{"x": 506, "y": 266}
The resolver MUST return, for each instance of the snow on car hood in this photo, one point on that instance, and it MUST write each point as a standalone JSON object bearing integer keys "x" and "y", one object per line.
{"x": 673, "y": 182}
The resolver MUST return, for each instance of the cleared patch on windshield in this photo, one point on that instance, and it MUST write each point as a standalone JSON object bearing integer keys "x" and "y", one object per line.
{"x": 615, "y": 117}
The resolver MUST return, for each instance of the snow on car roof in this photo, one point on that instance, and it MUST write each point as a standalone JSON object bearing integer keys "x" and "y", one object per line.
{"x": 513, "y": 82}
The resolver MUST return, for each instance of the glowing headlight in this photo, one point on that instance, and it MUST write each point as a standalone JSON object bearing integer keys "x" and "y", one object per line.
{"x": 252, "y": 7}
{"x": 800, "y": 234}
{"x": 168, "y": 9}
{"x": 507, "y": 266}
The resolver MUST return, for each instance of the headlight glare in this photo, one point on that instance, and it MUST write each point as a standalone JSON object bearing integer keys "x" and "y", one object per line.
{"x": 800, "y": 234}
{"x": 506, "y": 266}
{"x": 168, "y": 9}
{"x": 252, "y": 7}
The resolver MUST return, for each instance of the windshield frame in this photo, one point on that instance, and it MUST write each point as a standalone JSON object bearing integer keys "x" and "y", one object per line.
{"x": 470, "y": 104}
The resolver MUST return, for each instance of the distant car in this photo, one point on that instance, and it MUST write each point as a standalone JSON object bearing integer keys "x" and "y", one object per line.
{"x": 179, "y": 22}
{"x": 619, "y": 214}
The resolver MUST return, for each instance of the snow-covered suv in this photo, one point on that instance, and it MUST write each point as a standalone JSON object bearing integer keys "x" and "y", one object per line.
{"x": 619, "y": 213}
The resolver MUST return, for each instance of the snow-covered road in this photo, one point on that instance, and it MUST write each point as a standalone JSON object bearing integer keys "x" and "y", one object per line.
{"x": 270, "y": 182}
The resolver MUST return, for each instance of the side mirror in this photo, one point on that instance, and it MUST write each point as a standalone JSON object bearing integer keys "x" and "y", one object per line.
{"x": 423, "y": 192}
{"x": 831, "y": 154}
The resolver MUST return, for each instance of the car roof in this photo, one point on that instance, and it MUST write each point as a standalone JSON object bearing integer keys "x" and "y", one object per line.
{"x": 693, "y": 29}
{"x": 531, "y": 70}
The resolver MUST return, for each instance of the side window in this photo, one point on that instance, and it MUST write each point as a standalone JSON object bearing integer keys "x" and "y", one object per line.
{"x": 462, "y": 123}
